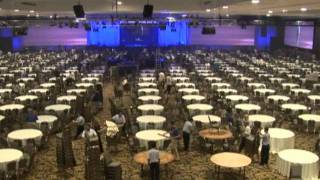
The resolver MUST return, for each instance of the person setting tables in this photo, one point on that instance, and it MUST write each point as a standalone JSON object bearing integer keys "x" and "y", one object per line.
{"x": 187, "y": 129}
{"x": 154, "y": 161}
{"x": 88, "y": 132}
{"x": 80, "y": 122}
{"x": 265, "y": 147}
{"x": 119, "y": 118}
{"x": 246, "y": 134}
{"x": 32, "y": 116}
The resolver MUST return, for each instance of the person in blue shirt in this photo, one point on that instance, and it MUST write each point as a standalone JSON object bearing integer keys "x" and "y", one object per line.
{"x": 32, "y": 116}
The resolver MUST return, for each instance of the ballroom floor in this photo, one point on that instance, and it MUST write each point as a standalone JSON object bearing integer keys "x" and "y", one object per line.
{"x": 192, "y": 166}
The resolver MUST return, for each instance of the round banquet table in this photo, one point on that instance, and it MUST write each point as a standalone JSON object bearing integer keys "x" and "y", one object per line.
{"x": 279, "y": 98}
{"x": 248, "y": 107}
{"x": 189, "y": 91}
{"x": 112, "y": 128}
{"x": 230, "y": 160}
{"x": 90, "y": 79}
{"x": 220, "y": 85}
{"x": 76, "y": 91}
{"x": 264, "y": 91}
{"x": 146, "y": 99}
{"x": 147, "y": 84}
{"x": 201, "y": 107}
{"x": 308, "y": 117}
{"x": 8, "y": 155}
{"x": 236, "y": 75}
{"x": 308, "y": 161}
{"x": 154, "y": 107}
{"x": 236, "y": 98}
{"x": 148, "y": 91}
{"x": 25, "y": 134}
{"x": 5, "y": 91}
{"x": 256, "y": 85}
{"x": 290, "y": 85}
{"x": 211, "y": 79}
{"x": 26, "y": 97}
{"x": 142, "y": 158}
{"x": 58, "y": 108}
{"x": 294, "y": 107}
{"x": 147, "y": 79}
{"x": 280, "y": 139}
{"x": 275, "y": 79}
{"x": 243, "y": 79}
{"x": 11, "y": 107}
{"x": 205, "y": 118}
{"x": 42, "y": 91}
{"x": 50, "y": 119}
{"x": 314, "y": 98}
{"x": 197, "y": 98}
{"x": 296, "y": 91}
{"x": 25, "y": 79}
{"x": 85, "y": 85}
{"x": 266, "y": 75}
{"x": 265, "y": 120}
{"x": 215, "y": 134}
{"x": 47, "y": 85}
{"x": 184, "y": 85}
{"x": 157, "y": 120}
{"x": 180, "y": 79}
{"x": 152, "y": 135}
{"x": 66, "y": 98}
{"x": 227, "y": 91}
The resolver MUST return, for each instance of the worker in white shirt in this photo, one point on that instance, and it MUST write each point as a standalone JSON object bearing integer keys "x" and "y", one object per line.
{"x": 88, "y": 132}
{"x": 154, "y": 161}
{"x": 187, "y": 129}
{"x": 80, "y": 121}
{"x": 245, "y": 135}
{"x": 119, "y": 118}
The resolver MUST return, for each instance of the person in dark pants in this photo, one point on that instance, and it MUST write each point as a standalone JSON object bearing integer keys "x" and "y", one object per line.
{"x": 265, "y": 147}
{"x": 154, "y": 161}
{"x": 187, "y": 128}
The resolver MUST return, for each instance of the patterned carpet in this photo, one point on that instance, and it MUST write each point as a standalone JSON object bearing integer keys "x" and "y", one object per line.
{"x": 194, "y": 165}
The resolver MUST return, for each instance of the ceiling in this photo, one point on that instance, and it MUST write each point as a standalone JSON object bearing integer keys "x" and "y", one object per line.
{"x": 235, "y": 7}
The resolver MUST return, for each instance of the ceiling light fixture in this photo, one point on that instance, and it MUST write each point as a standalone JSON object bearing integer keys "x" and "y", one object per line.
{"x": 268, "y": 15}
{"x": 119, "y": 3}
{"x": 270, "y": 12}
{"x": 225, "y": 7}
{"x": 303, "y": 9}
{"x": 208, "y": 10}
{"x": 255, "y": 1}
{"x": 16, "y": 10}
{"x": 227, "y": 15}
{"x": 284, "y": 10}
{"x": 31, "y": 11}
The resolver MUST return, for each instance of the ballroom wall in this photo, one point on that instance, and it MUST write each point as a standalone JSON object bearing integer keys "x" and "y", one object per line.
{"x": 54, "y": 36}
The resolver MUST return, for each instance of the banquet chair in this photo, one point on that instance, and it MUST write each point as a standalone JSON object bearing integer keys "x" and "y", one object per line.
{"x": 204, "y": 145}
{"x": 150, "y": 125}
{"x": 12, "y": 170}
{"x": 311, "y": 126}
{"x": 295, "y": 172}
{"x": 23, "y": 167}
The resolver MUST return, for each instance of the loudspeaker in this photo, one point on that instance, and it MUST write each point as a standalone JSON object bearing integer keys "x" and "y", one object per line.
{"x": 264, "y": 31}
{"x": 78, "y": 11}
{"x": 147, "y": 11}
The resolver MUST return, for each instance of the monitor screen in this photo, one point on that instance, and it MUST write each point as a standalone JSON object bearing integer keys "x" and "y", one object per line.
{"x": 299, "y": 36}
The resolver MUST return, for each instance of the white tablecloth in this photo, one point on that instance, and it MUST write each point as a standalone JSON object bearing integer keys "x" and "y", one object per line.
{"x": 11, "y": 107}
{"x": 265, "y": 120}
{"x": 76, "y": 91}
{"x": 42, "y": 91}
{"x": 257, "y": 85}
{"x": 147, "y": 84}
{"x": 189, "y": 91}
{"x": 296, "y": 91}
{"x": 185, "y": 85}
{"x": 50, "y": 119}
{"x": 147, "y": 107}
{"x": 248, "y": 107}
{"x": 66, "y": 98}
{"x": 25, "y": 134}
{"x": 58, "y": 107}
{"x": 85, "y": 85}
{"x": 220, "y": 85}
{"x": 278, "y": 98}
{"x": 147, "y": 79}
{"x": 264, "y": 91}
{"x": 237, "y": 98}
{"x": 151, "y": 135}
{"x": 314, "y": 98}
{"x": 148, "y": 91}
{"x": 26, "y": 97}
{"x": 197, "y": 98}
{"x": 308, "y": 160}
{"x": 280, "y": 139}
{"x": 308, "y": 117}
{"x": 47, "y": 85}
{"x": 290, "y": 85}
{"x": 157, "y": 120}
{"x": 8, "y": 155}
{"x": 146, "y": 99}
{"x": 211, "y": 79}
{"x": 205, "y": 118}
{"x": 227, "y": 91}
{"x": 294, "y": 107}
{"x": 202, "y": 107}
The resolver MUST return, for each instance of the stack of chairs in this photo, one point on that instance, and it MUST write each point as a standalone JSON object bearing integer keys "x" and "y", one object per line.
{"x": 113, "y": 171}
{"x": 93, "y": 167}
